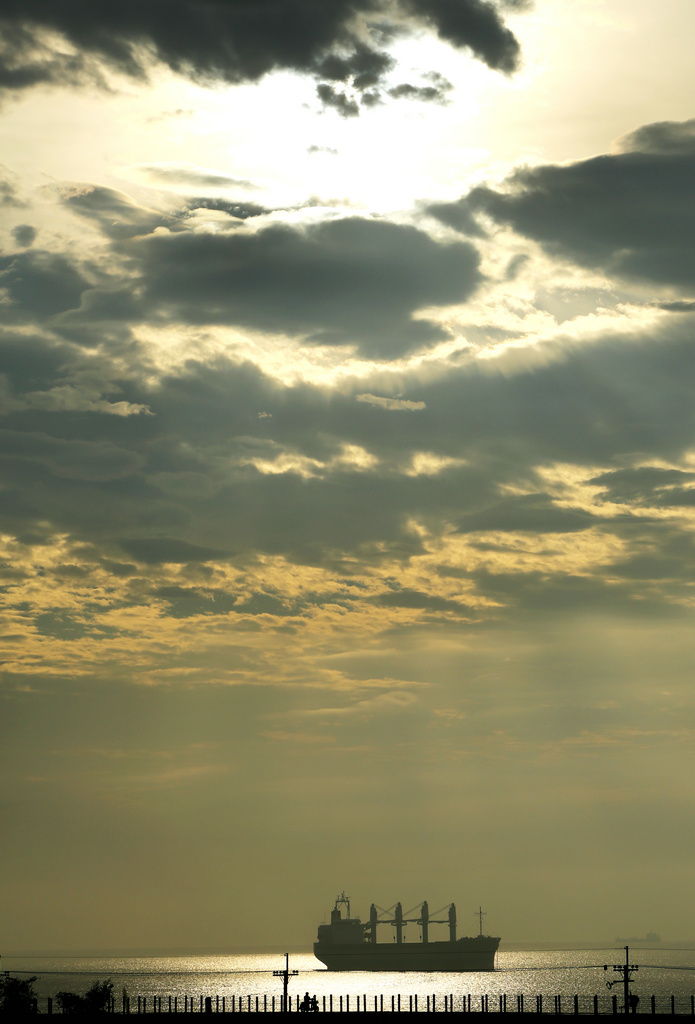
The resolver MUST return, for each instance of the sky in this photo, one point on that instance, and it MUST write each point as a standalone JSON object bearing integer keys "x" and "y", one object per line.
{"x": 347, "y": 468}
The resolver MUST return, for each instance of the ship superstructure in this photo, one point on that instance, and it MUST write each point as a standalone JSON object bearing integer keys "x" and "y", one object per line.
{"x": 346, "y": 944}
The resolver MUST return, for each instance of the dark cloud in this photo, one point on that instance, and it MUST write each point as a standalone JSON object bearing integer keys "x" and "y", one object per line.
{"x": 40, "y": 284}
{"x": 152, "y": 550}
{"x": 403, "y": 597}
{"x": 24, "y": 235}
{"x": 348, "y": 281}
{"x": 241, "y": 210}
{"x": 362, "y": 69}
{"x": 9, "y": 188}
{"x": 532, "y": 593}
{"x": 437, "y": 92}
{"x": 116, "y": 214}
{"x": 457, "y": 215}
{"x": 535, "y": 513}
{"x": 70, "y": 458}
{"x": 678, "y": 306}
{"x": 630, "y": 212}
{"x": 474, "y": 24}
{"x": 646, "y": 486}
{"x": 233, "y": 40}
{"x": 336, "y": 98}
{"x": 662, "y": 137}
{"x": 185, "y": 486}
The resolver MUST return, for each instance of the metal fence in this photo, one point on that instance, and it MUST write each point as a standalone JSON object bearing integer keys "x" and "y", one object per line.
{"x": 356, "y": 1003}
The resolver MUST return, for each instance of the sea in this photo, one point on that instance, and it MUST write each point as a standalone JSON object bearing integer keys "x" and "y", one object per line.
{"x": 246, "y": 982}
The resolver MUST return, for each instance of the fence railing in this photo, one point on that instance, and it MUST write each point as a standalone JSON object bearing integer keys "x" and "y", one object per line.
{"x": 352, "y": 1003}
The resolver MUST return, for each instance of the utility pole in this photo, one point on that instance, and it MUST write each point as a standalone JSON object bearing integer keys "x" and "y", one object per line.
{"x": 626, "y": 970}
{"x": 480, "y": 914}
{"x": 285, "y": 975}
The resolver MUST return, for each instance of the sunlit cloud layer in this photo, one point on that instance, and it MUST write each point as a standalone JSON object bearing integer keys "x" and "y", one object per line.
{"x": 320, "y": 517}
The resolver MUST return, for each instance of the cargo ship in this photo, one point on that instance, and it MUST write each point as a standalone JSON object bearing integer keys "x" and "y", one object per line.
{"x": 348, "y": 945}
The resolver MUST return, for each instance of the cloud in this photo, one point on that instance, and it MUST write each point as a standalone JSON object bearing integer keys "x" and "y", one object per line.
{"x": 240, "y": 210}
{"x": 24, "y": 235}
{"x": 350, "y": 281}
{"x": 335, "y": 98}
{"x": 40, "y": 283}
{"x": 437, "y": 92}
{"x": 234, "y": 41}
{"x": 116, "y": 214}
{"x": 152, "y": 550}
{"x": 390, "y": 403}
{"x": 474, "y": 24}
{"x": 190, "y": 174}
{"x": 628, "y": 212}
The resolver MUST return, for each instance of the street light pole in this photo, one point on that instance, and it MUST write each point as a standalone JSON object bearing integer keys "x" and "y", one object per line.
{"x": 626, "y": 970}
{"x": 285, "y": 975}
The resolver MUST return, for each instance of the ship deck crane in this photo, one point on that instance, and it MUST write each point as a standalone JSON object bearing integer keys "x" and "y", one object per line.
{"x": 400, "y": 920}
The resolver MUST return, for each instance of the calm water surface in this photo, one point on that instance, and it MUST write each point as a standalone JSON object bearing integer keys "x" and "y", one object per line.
{"x": 662, "y": 972}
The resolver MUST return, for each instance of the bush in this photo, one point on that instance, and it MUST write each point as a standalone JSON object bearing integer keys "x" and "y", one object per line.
{"x": 96, "y": 999}
{"x": 17, "y": 996}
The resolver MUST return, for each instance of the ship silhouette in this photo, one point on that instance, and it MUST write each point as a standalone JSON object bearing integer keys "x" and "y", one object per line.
{"x": 346, "y": 944}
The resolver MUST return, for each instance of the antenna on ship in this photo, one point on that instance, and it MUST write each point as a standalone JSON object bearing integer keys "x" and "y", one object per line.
{"x": 480, "y": 913}
{"x": 343, "y": 899}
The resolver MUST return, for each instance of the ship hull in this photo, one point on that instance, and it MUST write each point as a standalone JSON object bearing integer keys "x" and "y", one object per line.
{"x": 476, "y": 954}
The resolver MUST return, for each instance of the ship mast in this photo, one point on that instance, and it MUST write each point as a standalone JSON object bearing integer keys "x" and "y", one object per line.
{"x": 343, "y": 899}
{"x": 480, "y": 913}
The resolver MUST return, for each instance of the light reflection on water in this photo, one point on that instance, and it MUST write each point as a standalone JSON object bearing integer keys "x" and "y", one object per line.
{"x": 532, "y": 972}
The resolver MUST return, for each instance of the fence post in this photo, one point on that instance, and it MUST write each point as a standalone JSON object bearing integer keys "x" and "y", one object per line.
{"x": 576, "y": 1003}
{"x": 615, "y": 1004}
{"x": 595, "y": 1004}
